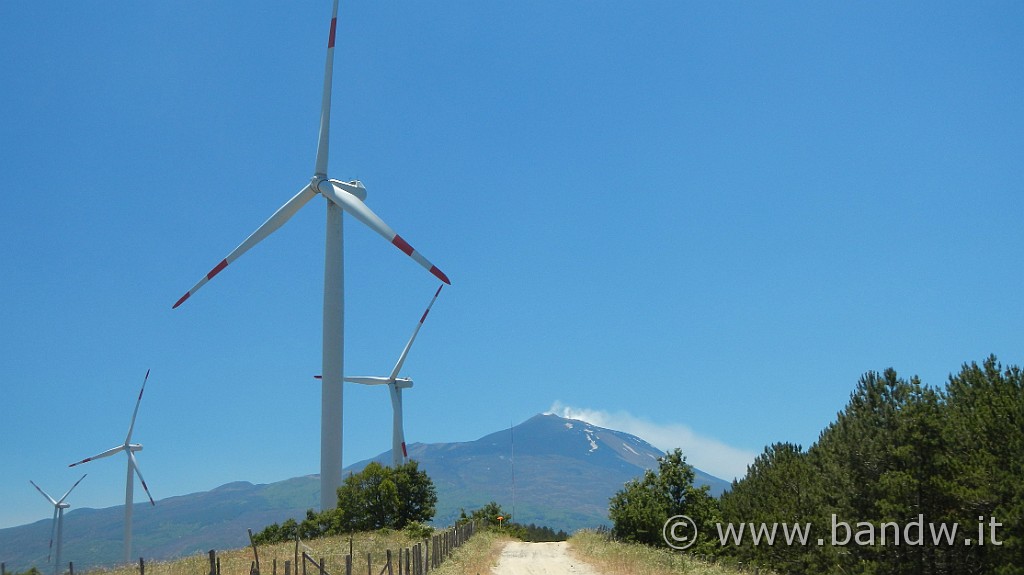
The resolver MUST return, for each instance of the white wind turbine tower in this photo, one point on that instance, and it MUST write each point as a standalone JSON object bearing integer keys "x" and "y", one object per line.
{"x": 396, "y": 384}
{"x": 58, "y": 521}
{"x": 133, "y": 469}
{"x": 341, "y": 196}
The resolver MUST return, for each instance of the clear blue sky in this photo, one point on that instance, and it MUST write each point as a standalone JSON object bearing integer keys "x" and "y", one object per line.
{"x": 705, "y": 220}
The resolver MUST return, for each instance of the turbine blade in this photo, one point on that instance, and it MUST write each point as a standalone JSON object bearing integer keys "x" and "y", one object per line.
{"x": 131, "y": 427}
{"x": 106, "y": 453}
{"x": 282, "y": 215}
{"x": 336, "y": 192}
{"x": 53, "y": 528}
{"x": 61, "y": 500}
{"x": 135, "y": 466}
{"x": 45, "y": 494}
{"x": 368, "y": 380}
{"x": 325, "y": 102}
{"x": 405, "y": 352}
{"x": 399, "y": 426}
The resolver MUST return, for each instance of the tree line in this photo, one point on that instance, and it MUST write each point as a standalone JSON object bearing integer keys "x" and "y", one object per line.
{"x": 900, "y": 461}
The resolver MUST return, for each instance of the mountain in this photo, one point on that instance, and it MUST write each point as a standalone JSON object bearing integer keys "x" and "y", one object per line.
{"x": 564, "y": 471}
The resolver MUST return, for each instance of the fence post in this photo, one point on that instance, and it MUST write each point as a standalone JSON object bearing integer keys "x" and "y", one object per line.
{"x": 287, "y": 567}
{"x": 274, "y": 568}
{"x": 369, "y": 564}
{"x": 348, "y": 564}
{"x": 71, "y": 567}
{"x": 322, "y": 563}
{"x": 218, "y": 566}
{"x": 142, "y": 566}
{"x": 213, "y": 562}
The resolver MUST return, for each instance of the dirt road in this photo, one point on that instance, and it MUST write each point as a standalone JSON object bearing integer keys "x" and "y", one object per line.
{"x": 540, "y": 559}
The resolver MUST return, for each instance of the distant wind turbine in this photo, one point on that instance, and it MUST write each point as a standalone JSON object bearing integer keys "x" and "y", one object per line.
{"x": 396, "y": 384}
{"x": 341, "y": 196}
{"x": 133, "y": 469}
{"x": 58, "y": 521}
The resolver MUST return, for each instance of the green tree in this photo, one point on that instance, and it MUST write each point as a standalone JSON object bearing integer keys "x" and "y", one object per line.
{"x": 639, "y": 511}
{"x": 417, "y": 494}
{"x": 375, "y": 498}
{"x": 985, "y": 432}
{"x": 380, "y": 497}
{"x": 780, "y": 487}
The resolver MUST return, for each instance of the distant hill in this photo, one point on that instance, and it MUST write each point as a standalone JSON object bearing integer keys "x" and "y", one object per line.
{"x": 565, "y": 471}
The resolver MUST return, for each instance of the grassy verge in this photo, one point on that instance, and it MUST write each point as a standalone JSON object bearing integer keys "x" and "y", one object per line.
{"x": 615, "y": 558}
{"x": 477, "y": 556}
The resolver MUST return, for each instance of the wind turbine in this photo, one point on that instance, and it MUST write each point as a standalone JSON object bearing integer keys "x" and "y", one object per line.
{"x": 341, "y": 196}
{"x": 58, "y": 520}
{"x": 133, "y": 468}
{"x": 396, "y": 384}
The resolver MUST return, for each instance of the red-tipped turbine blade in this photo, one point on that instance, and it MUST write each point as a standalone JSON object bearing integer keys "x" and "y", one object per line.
{"x": 336, "y": 192}
{"x": 106, "y": 453}
{"x": 398, "y": 431}
{"x": 45, "y": 494}
{"x": 325, "y": 102}
{"x": 408, "y": 345}
{"x": 282, "y": 215}
{"x": 131, "y": 427}
{"x": 53, "y": 528}
{"x": 61, "y": 500}
{"x": 135, "y": 466}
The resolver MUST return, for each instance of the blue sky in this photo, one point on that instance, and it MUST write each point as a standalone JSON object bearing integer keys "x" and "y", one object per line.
{"x": 700, "y": 222}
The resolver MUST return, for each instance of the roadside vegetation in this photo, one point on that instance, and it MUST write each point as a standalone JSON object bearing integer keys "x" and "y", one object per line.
{"x": 611, "y": 557}
{"x": 478, "y": 555}
{"x": 900, "y": 461}
{"x": 331, "y": 549}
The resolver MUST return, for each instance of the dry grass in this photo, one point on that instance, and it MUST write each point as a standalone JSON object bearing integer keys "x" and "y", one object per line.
{"x": 615, "y": 558}
{"x": 331, "y": 549}
{"x": 477, "y": 557}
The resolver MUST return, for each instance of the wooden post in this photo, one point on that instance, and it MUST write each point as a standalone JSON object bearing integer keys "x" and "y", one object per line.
{"x": 348, "y": 564}
{"x": 255, "y": 553}
{"x": 388, "y": 554}
{"x": 218, "y": 566}
{"x": 369, "y": 564}
{"x": 287, "y": 567}
{"x": 322, "y": 563}
{"x": 274, "y": 569}
{"x": 142, "y": 566}
{"x": 213, "y": 562}
{"x": 71, "y": 567}
{"x": 297, "y": 555}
